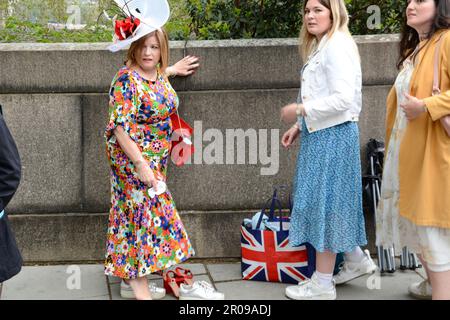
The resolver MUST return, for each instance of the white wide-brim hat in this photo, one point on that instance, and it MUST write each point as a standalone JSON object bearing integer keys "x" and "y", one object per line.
{"x": 153, "y": 14}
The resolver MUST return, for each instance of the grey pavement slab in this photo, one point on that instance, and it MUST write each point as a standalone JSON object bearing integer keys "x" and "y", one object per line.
{"x": 115, "y": 287}
{"x": 50, "y": 282}
{"x": 225, "y": 272}
{"x": 252, "y": 290}
{"x": 196, "y": 268}
{"x": 387, "y": 287}
{"x": 375, "y": 287}
{"x": 57, "y": 283}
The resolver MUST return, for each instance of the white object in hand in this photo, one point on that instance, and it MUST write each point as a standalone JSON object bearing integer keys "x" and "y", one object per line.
{"x": 161, "y": 188}
{"x": 187, "y": 141}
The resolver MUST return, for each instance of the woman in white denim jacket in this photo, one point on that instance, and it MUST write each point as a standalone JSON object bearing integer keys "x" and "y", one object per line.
{"x": 327, "y": 209}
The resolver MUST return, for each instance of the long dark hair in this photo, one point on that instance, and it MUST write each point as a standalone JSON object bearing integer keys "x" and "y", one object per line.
{"x": 410, "y": 37}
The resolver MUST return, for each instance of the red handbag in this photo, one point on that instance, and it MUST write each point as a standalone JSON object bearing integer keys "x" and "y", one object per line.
{"x": 182, "y": 147}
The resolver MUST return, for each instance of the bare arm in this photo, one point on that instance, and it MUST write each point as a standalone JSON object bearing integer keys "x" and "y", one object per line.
{"x": 133, "y": 152}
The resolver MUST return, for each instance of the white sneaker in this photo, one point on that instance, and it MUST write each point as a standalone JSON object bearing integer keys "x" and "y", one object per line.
{"x": 353, "y": 270}
{"x": 420, "y": 290}
{"x": 126, "y": 292}
{"x": 200, "y": 290}
{"x": 311, "y": 290}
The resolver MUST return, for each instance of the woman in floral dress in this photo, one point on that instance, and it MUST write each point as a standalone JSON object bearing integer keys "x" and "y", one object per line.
{"x": 145, "y": 234}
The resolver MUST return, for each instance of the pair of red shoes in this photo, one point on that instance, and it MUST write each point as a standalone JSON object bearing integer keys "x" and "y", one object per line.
{"x": 174, "y": 278}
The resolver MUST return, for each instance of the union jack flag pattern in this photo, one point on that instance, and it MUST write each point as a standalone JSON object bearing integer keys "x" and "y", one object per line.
{"x": 267, "y": 256}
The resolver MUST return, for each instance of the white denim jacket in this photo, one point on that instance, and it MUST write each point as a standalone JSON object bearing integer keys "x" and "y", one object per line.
{"x": 331, "y": 83}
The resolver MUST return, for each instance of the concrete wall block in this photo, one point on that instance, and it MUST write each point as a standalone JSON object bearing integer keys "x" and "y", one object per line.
{"x": 96, "y": 170}
{"x": 240, "y": 86}
{"x": 68, "y": 67}
{"x": 206, "y": 183}
{"x": 71, "y": 71}
{"x": 82, "y": 180}
{"x": 82, "y": 237}
{"x": 47, "y": 130}
{"x": 61, "y": 237}
{"x": 218, "y": 111}
{"x": 225, "y": 65}
{"x": 222, "y": 180}
{"x": 379, "y": 54}
{"x": 373, "y": 113}
{"x": 245, "y": 64}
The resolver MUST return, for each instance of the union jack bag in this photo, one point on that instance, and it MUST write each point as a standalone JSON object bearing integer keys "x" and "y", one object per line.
{"x": 267, "y": 255}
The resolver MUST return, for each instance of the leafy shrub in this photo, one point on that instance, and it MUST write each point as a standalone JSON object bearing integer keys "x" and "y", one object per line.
{"x": 191, "y": 19}
{"x": 222, "y": 19}
{"x": 16, "y": 30}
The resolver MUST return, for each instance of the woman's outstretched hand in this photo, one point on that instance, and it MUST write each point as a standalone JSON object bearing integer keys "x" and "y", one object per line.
{"x": 185, "y": 67}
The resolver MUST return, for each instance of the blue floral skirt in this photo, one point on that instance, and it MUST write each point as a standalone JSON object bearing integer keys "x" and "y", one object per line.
{"x": 327, "y": 194}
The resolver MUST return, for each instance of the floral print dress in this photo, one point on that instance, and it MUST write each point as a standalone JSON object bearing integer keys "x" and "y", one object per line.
{"x": 145, "y": 234}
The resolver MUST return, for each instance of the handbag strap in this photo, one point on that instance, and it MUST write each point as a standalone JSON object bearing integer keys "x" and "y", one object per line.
{"x": 179, "y": 123}
{"x": 436, "y": 85}
{"x": 273, "y": 202}
{"x": 258, "y": 224}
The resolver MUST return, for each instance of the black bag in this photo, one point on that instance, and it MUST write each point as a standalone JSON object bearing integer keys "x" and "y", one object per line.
{"x": 10, "y": 174}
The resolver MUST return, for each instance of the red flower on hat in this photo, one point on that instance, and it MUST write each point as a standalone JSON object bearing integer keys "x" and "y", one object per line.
{"x": 125, "y": 28}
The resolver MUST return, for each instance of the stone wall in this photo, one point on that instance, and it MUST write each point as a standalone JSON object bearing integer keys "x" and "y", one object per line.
{"x": 55, "y": 101}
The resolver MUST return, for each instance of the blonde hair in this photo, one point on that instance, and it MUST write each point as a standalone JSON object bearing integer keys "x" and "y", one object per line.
{"x": 163, "y": 41}
{"x": 339, "y": 17}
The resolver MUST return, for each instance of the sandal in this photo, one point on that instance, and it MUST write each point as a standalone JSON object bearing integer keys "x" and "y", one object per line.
{"x": 174, "y": 278}
{"x": 172, "y": 282}
{"x": 186, "y": 274}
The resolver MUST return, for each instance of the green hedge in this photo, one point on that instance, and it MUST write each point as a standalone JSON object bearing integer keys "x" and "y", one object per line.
{"x": 196, "y": 19}
{"x": 24, "y": 31}
{"x": 223, "y": 19}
